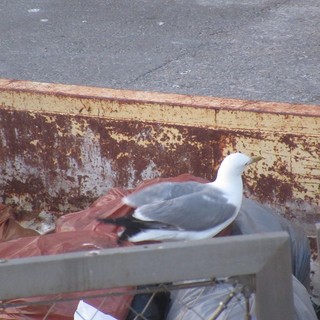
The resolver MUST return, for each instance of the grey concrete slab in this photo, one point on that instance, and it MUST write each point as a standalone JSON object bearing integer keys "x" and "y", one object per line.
{"x": 251, "y": 49}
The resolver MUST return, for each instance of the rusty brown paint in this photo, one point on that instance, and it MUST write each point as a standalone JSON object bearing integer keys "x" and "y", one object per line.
{"x": 43, "y": 152}
{"x": 63, "y": 146}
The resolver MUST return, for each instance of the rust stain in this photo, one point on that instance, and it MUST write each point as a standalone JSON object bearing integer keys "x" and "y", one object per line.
{"x": 77, "y": 142}
{"x": 55, "y": 162}
{"x": 289, "y": 141}
{"x": 268, "y": 186}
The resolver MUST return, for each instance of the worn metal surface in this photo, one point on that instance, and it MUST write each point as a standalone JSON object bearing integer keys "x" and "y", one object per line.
{"x": 269, "y": 256}
{"x": 62, "y": 146}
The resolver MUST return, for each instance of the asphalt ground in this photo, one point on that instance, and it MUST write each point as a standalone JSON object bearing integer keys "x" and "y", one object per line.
{"x": 251, "y": 49}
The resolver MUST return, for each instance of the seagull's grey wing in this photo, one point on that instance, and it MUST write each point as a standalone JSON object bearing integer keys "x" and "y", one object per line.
{"x": 193, "y": 212}
{"x": 162, "y": 191}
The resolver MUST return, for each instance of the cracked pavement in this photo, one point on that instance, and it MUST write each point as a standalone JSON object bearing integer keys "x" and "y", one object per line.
{"x": 251, "y": 49}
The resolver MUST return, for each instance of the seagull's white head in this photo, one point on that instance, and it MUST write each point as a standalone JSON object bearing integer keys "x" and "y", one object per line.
{"x": 234, "y": 164}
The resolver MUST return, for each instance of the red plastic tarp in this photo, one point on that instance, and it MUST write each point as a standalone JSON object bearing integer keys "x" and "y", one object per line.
{"x": 76, "y": 231}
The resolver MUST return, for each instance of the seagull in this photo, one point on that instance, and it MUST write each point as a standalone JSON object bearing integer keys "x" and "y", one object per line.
{"x": 170, "y": 211}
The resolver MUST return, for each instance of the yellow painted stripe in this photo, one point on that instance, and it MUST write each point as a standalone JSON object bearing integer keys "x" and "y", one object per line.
{"x": 195, "y": 111}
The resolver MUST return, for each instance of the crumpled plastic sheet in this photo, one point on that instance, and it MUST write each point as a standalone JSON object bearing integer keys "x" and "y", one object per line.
{"x": 256, "y": 218}
{"x": 200, "y": 303}
{"x": 11, "y": 229}
{"x": 78, "y": 231}
{"x": 81, "y": 231}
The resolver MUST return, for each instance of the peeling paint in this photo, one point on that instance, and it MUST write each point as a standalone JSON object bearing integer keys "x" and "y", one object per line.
{"x": 77, "y": 142}
{"x": 47, "y": 118}
{"x": 150, "y": 172}
{"x": 34, "y": 142}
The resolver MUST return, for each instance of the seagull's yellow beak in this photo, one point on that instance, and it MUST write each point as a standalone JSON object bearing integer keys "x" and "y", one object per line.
{"x": 255, "y": 159}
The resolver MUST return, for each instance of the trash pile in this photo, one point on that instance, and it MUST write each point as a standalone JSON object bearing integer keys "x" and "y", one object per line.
{"x": 80, "y": 231}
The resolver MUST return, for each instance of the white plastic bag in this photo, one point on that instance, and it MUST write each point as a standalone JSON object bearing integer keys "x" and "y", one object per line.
{"x": 87, "y": 312}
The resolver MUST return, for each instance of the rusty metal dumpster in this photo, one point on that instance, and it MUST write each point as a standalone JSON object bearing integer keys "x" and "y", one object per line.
{"x": 62, "y": 146}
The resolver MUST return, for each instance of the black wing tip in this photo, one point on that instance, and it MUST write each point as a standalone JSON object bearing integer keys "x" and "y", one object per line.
{"x": 131, "y": 227}
{"x": 122, "y": 238}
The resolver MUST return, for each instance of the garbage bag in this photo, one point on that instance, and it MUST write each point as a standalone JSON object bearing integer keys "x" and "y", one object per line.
{"x": 151, "y": 306}
{"x": 256, "y": 218}
{"x": 201, "y": 303}
{"x": 252, "y": 218}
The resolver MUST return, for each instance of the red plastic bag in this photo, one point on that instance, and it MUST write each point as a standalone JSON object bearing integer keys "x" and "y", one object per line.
{"x": 77, "y": 231}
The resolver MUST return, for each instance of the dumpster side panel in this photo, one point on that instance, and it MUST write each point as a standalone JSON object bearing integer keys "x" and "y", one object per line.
{"x": 63, "y": 163}
{"x": 63, "y": 146}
